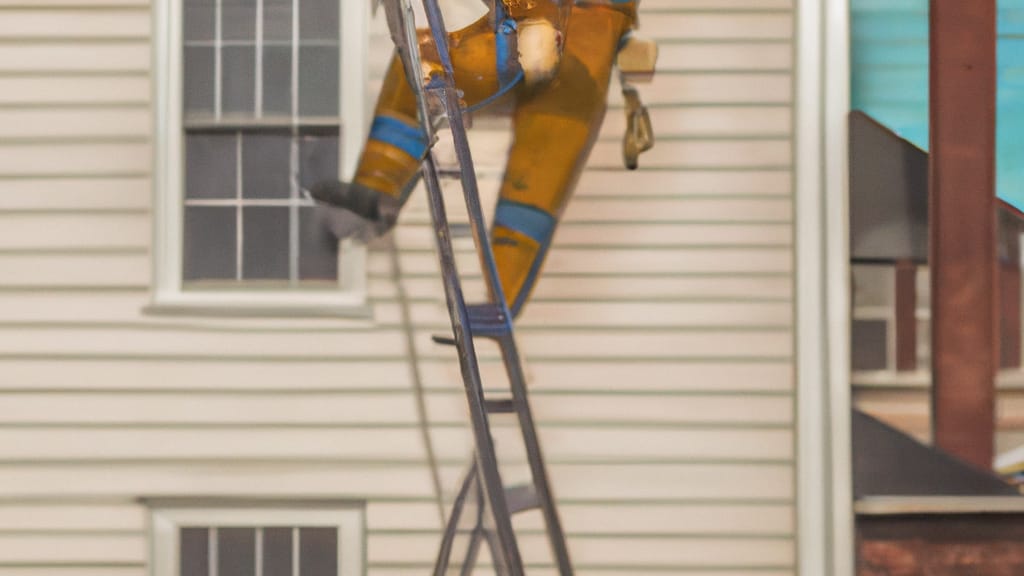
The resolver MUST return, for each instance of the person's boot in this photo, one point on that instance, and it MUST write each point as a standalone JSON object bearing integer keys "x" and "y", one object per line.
{"x": 355, "y": 211}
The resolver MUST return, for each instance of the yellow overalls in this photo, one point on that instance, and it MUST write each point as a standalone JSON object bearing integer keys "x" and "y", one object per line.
{"x": 555, "y": 125}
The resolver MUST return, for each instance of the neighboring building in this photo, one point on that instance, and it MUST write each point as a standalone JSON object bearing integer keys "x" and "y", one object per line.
{"x": 661, "y": 343}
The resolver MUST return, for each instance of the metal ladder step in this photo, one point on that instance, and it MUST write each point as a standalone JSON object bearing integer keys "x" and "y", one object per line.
{"x": 485, "y": 320}
{"x": 521, "y": 498}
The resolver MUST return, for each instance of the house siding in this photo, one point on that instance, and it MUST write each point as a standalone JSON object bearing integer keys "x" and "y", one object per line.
{"x": 659, "y": 344}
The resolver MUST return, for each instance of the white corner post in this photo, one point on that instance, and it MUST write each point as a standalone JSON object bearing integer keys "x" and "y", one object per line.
{"x": 825, "y": 544}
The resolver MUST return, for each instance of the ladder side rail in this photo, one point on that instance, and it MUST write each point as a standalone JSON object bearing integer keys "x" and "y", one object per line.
{"x": 470, "y": 188}
{"x": 535, "y": 456}
{"x": 452, "y": 528}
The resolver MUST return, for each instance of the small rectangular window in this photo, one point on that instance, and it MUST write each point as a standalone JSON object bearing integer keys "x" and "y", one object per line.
{"x": 259, "y": 99}
{"x": 249, "y": 538}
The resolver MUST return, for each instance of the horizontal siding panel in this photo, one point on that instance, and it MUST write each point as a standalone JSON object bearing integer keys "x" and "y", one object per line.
{"x": 705, "y": 122}
{"x": 64, "y": 56}
{"x": 257, "y": 374}
{"x": 637, "y": 409}
{"x": 765, "y": 520}
{"x": 76, "y": 194}
{"x": 662, "y": 315}
{"x": 609, "y": 376}
{"x": 579, "y": 234}
{"x": 726, "y": 211}
{"x": 72, "y": 549}
{"x": 598, "y": 345}
{"x": 718, "y": 5}
{"x": 75, "y": 123}
{"x": 403, "y": 516}
{"x": 613, "y": 288}
{"x": 681, "y": 182}
{"x": 700, "y": 154}
{"x": 722, "y": 56}
{"x": 712, "y": 88}
{"x": 640, "y": 552}
{"x": 180, "y": 341}
{"x": 72, "y": 232}
{"x": 710, "y": 26}
{"x": 220, "y": 409}
{"x": 625, "y": 261}
{"x": 624, "y": 445}
{"x": 72, "y": 518}
{"x": 25, "y": 24}
{"x": 34, "y": 91}
{"x": 58, "y": 159}
{"x": 133, "y": 444}
{"x": 270, "y": 480}
{"x": 42, "y": 569}
{"x": 57, "y": 270}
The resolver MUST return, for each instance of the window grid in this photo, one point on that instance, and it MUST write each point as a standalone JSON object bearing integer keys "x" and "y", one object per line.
{"x": 214, "y": 556}
{"x": 296, "y": 199}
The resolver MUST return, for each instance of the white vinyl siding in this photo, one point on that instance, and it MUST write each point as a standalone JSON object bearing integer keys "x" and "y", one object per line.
{"x": 659, "y": 343}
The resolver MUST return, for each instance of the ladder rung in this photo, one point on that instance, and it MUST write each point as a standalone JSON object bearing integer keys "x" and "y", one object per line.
{"x": 502, "y": 406}
{"x": 487, "y": 320}
{"x": 521, "y": 498}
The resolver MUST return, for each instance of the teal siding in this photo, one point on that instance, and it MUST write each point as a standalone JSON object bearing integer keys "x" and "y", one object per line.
{"x": 890, "y": 77}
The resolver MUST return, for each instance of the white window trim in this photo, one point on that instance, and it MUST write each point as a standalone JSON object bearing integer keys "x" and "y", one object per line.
{"x": 168, "y": 171}
{"x": 165, "y": 523}
{"x": 825, "y": 520}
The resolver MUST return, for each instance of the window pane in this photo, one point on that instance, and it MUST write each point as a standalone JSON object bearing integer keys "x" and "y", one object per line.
{"x": 277, "y": 80}
{"x": 266, "y": 165}
{"x": 238, "y": 19}
{"x": 318, "y": 19}
{"x": 870, "y": 345}
{"x": 210, "y": 165}
{"x": 318, "y": 80}
{"x": 318, "y": 158}
{"x": 277, "y": 552}
{"x": 199, "y": 79}
{"x": 318, "y": 552}
{"x": 265, "y": 240}
{"x": 194, "y": 551}
{"x": 236, "y": 551}
{"x": 277, "y": 20}
{"x": 239, "y": 80}
{"x": 318, "y": 247}
{"x": 210, "y": 240}
{"x": 199, "y": 19}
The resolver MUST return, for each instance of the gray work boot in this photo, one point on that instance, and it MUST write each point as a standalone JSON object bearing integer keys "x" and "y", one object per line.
{"x": 355, "y": 211}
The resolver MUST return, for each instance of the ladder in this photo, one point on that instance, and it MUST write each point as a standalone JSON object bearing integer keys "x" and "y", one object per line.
{"x": 483, "y": 508}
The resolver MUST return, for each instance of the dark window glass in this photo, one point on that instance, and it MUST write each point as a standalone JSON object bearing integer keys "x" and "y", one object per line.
{"x": 265, "y": 253}
{"x": 199, "y": 79}
{"x": 238, "y": 20}
{"x": 318, "y": 158}
{"x": 199, "y": 20}
{"x": 210, "y": 165}
{"x": 277, "y": 552}
{"x": 870, "y": 345}
{"x": 266, "y": 161}
{"x": 236, "y": 551}
{"x": 194, "y": 551}
{"x": 238, "y": 86}
{"x": 318, "y": 247}
{"x": 318, "y": 552}
{"x": 277, "y": 20}
{"x": 318, "y": 80}
{"x": 277, "y": 80}
{"x": 318, "y": 19}
{"x": 210, "y": 240}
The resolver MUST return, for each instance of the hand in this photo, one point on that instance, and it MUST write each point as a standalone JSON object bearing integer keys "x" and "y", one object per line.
{"x": 540, "y": 50}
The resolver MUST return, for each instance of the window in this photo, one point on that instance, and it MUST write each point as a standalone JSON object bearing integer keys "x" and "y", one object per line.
{"x": 256, "y": 101}
{"x": 245, "y": 538}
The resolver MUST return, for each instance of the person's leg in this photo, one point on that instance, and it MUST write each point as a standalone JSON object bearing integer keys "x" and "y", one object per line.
{"x": 391, "y": 158}
{"x": 555, "y": 128}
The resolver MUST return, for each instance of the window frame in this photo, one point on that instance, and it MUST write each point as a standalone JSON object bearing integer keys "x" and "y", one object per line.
{"x": 168, "y": 292}
{"x": 167, "y": 516}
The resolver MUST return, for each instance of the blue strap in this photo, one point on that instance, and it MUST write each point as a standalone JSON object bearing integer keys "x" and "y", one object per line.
{"x": 393, "y": 131}
{"x": 505, "y": 34}
{"x": 531, "y": 221}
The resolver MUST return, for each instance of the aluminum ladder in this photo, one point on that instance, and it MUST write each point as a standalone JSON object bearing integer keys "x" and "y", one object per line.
{"x": 482, "y": 511}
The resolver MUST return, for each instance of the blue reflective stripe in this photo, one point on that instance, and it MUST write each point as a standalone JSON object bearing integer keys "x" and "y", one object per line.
{"x": 400, "y": 135}
{"x": 507, "y": 62}
{"x": 533, "y": 222}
